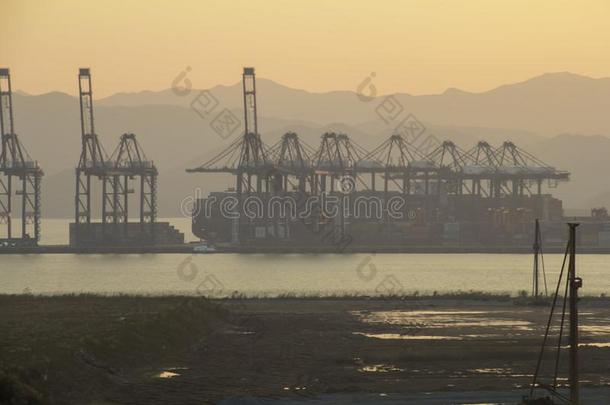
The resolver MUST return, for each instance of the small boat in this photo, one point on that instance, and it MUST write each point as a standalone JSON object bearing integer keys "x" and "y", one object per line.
{"x": 569, "y": 305}
{"x": 203, "y": 247}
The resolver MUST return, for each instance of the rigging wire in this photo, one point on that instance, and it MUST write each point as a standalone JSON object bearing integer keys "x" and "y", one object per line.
{"x": 546, "y": 291}
{"x": 563, "y": 317}
{"x": 548, "y": 325}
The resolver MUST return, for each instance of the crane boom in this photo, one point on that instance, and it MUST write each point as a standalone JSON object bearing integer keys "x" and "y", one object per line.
{"x": 92, "y": 154}
{"x": 12, "y": 154}
{"x": 6, "y": 103}
{"x": 86, "y": 102}
{"x": 249, "y": 87}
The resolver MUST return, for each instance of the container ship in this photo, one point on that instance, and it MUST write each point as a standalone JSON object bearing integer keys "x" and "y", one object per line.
{"x": 411, "y": 190}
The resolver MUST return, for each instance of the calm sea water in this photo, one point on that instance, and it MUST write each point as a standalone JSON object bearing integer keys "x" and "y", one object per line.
{"x": 272, "y": 274}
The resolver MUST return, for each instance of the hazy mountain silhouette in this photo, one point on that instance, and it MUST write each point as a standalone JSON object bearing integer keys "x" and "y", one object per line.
{"x": 548, "y": 104}
{"x": 586, "y": 157}
{"x": 176, "y": 137}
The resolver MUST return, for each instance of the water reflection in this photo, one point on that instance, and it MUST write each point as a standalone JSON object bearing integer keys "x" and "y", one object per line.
{"x": 406, "y": 337}
{"x": 379, "y": 368}
{"x": 445, "y": 319}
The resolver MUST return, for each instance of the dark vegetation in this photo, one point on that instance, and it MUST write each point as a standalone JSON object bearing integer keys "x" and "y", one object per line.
{"x": 96, "y": 349}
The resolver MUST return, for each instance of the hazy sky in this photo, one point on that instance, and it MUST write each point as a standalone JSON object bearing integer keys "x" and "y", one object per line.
{"x": 415, "y": 46}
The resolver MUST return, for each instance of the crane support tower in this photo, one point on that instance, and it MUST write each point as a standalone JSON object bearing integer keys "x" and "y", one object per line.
{"x": 93, "y": 165}
{"x": 127, "y": 171}
{"x": 19, "y": 176}
{"x": 131, "y": 163}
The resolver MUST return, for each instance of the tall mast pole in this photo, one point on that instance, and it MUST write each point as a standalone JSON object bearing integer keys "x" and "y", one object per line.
{"x": 535, "y": 291}
{"x": 575, "y": 284}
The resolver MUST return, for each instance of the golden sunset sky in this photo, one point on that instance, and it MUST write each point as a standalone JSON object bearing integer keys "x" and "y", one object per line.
{"x": 414, "y": 46}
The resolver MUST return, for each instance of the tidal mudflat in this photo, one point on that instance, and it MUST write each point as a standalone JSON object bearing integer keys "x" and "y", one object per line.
{"x": 148, "y": 350}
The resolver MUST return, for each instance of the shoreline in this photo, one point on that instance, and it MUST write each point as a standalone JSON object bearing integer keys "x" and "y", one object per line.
{"x": 188, "y": 248}
{"x": 472, "y": 296}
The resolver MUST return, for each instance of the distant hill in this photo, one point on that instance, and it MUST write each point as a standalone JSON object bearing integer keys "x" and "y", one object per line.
{"x": 548, "y": 104}
{"x": 530, "y": 113}
{"x": 586, "y": 157}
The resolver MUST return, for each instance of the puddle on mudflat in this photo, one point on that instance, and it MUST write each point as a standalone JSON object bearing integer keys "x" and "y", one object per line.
{"x": 167, "y": 374}
{"x": 490, "y": 370}
{"x": 500, "y": 372}
{"x": 595, "y": 329}
{"x": 430, "y": 312}
{"x": 443, "y": 319}
{"x": 605, "y": 344}
{"x": 170, "y": 372}
{"x": 592, "y": 344}
{"x": 485, "y": 335}
{"x": 379, "y": 368}
{"x": 238, "y": 332}
{"x": 294, "y": 388}
{"x": 406, "y": 337}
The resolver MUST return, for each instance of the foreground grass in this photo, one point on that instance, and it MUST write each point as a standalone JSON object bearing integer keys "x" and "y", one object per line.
{"x": 60, "y": 348}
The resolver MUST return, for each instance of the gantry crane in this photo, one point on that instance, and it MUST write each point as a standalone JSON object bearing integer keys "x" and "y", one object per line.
{"x": 399, "y": 162}
{"x": 93, "y": 162}
{"x": 337, "y": 156}
{"x": 16, "y": 164}
{"x": 115, "y": 174}
{"x": 247, "y": 157}
{"x": 131, "y": 162}
{"x": 292, "y": 158}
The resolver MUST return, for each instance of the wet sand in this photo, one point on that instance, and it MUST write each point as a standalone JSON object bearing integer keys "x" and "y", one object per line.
{"x": 154, "y": 350}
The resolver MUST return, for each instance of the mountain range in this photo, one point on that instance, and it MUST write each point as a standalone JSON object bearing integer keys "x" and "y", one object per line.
{"x": 559, "y": 117}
